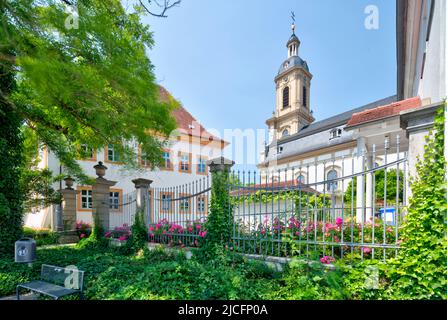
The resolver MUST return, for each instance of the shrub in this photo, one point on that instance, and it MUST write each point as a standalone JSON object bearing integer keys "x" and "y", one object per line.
{"x": 420, "y": 269}
{"x": 42, "y": 237}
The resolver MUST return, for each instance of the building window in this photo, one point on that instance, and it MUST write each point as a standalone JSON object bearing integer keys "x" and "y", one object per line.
{"x": 304, "y": 96}
{"x": 85, "y": 200}
{"x": 336, "y": 133}
{"x": 112, "y": 153}
{"x": 166, "y": 203}
{"x": 115, "y": 199}
{"x": 87, "y": 153}
{"x": 185, "y": 162}
{"x": 280, "y": 150}
{"x": 285, "y": 97}
{"x": 201, "y": 204}
{"x": 285, "y": 133}
{"x": 167, "y": 164}
{"x": 185, "y": 203}
{"x": 331, "y": 185}
{"x": 301, "y": 179}
{"x": 201, "y": 165}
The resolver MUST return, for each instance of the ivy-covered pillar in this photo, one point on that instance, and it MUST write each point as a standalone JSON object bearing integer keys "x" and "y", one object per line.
{"x": 220, "y": 219}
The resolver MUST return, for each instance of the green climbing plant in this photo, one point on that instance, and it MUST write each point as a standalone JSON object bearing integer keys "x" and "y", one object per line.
{"x": 420, "y": 269}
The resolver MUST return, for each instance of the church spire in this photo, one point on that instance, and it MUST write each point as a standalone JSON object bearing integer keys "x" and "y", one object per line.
{"x": 293, "y": 43}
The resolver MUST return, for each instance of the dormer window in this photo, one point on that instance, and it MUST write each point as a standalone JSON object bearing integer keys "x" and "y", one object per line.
{"x": 336, "y": 133}
{"x": 279, "y": 150}
{"x": 285, "y": 97}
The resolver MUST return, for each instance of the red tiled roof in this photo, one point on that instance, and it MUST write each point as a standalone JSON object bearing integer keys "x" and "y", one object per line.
{"x": 186, "y": 123}
{"x": 382, "y": 112}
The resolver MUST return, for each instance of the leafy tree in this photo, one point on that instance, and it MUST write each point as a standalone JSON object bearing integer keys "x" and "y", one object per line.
{"x": 88, "y": 82}
{"x": 391, "y": 186}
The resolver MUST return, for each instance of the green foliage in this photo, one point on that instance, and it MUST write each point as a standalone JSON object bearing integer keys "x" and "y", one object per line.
{"x": 42, "y": 237}
{"x": 391, "y": 187}
{"x": 139, "y": 235}
{"x": 420, "y": 269}
{"x": 219, "y": 222}
{"x": 64, "y": 87}
{"x": 310, "y": 280}
{"x": 151, "y": 274}
{"x": 11, "y": 159}
{"x": 76, "y": 88}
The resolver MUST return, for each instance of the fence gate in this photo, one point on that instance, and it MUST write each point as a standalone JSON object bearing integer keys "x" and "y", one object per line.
{"x": 122, "y": 211}
{"x": 178, "y": 213}
{"x": 346, "y": 207}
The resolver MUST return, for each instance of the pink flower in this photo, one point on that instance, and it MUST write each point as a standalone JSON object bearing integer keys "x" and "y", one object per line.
{"x": 151, "y": 228}
{"x": 82, "y": 236}
{"x": 263, "y": 232}
{"x": 122, "y": 238}
{"x": 108, "y": 234}
{"x": 297, "y": 234}
{"x": 339, "y": 222}
{"x": 190, "y": 229}
{"x": 327, "y": 260}
{"x": 367, "y": 250}
{"x": 198, "y": 227}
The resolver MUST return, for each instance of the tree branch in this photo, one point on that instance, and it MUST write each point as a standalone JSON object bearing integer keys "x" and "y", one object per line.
{"x": 165, "y": 7}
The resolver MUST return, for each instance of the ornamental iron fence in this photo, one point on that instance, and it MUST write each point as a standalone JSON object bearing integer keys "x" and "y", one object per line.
{"x": 347, "y": 206}
{"x": 177, "y": 214}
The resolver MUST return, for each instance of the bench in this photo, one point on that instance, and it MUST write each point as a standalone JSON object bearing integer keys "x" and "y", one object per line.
{"x": 56, "y": 282}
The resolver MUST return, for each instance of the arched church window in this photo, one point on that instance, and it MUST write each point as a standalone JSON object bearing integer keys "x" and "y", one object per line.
{"x": 331, "y": 185}
{"x": 285, "y": 133}
{"x": 304, "y": 96}
{"x": 285, "y": 97}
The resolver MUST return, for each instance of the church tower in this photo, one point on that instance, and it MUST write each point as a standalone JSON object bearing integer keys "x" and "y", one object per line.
{"x": 292, "y": 111}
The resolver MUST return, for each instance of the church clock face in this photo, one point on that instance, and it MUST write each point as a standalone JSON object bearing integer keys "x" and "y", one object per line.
{"x": 285, "y": 80}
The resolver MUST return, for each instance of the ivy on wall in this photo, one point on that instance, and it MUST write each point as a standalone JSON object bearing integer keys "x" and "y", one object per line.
{"x": 420, "y": 269}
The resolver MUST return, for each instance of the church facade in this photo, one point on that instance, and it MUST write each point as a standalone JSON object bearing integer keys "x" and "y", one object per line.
{"x": 328, "y": 154}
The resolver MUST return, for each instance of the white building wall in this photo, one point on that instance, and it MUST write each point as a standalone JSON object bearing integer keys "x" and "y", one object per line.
{"x": 124, "y": 177}
{"x": 433, "y": 83}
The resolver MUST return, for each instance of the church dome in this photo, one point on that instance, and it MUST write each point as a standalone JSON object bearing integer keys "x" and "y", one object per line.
{"x": 292, "y": 62}
{"x": 292, "y": 39}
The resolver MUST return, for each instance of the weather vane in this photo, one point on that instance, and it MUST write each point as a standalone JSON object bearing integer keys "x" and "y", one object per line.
{"x": 293, "y": 22}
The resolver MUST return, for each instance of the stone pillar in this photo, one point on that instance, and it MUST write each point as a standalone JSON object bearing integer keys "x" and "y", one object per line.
{"x": 359, "y": 168}
{"x": 101, "y": 197}
{"x": 142, "y": 187}
{"x": 68, "y": 209}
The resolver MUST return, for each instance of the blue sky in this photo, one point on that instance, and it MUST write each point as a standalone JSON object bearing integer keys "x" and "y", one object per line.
{"x": 219, "y": 57}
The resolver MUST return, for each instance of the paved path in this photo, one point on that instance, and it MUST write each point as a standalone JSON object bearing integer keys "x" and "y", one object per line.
{"x": 28, "y": 296}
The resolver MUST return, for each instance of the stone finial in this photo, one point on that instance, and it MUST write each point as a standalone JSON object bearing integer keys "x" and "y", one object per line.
{"x": 100, "y": 169}
{"x": 220, "y": 164}
{"x": 69, "y": 183}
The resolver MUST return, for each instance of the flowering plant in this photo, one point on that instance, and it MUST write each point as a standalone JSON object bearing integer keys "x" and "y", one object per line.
{"x": 83, "y": 229}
